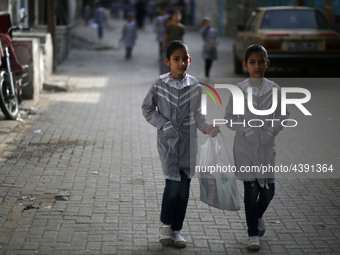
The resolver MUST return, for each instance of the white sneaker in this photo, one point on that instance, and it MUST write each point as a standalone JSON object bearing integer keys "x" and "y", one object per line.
{"x": 254, "y": 243}
{"x": 178, "y": 240}
{"x": 261, "y": 226}
{"x": 165, "y": 234}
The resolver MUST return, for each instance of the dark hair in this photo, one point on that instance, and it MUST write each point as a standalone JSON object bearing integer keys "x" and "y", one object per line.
{"x": 175, "y": 12}
{"x": 255, "y": 48}
{"x": 175, "y": 45}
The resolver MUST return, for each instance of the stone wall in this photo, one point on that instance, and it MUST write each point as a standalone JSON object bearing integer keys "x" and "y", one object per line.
{"x": 237, "y": 14}
{"x": 28, "y": 53}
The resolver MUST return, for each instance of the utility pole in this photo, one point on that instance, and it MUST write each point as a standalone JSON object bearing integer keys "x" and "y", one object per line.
{"x": 51, "y": 28}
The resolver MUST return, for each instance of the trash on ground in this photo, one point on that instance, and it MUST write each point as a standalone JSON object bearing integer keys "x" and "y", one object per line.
{"x": 21, "y": 120}
{"x": 62, "y": 196}
{"x": 30, "y": 198}
{"x": 29, "y": 207}
{"x": 275, "y": 221}
{"x": 26, "y": 113}
{"x": 33, "y": 110}
{"x": 38, "y": 131}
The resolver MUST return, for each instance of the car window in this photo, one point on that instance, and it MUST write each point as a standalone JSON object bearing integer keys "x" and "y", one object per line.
{"x": 251, "y": 21}
{"x": 294, "y": 19}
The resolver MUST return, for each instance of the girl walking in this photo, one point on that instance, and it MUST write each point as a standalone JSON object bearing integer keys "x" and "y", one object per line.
{"x": 129, "y": 35}
{"x": 254, "y": 144}
{"x": 211, "y": 40}
{"x": 172, "y": 105}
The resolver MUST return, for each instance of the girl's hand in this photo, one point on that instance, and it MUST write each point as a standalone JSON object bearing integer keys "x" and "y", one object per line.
{"x": 211, "y": 130}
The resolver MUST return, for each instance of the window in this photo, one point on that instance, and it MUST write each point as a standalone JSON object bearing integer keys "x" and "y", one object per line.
{"x": 294, "y": 19}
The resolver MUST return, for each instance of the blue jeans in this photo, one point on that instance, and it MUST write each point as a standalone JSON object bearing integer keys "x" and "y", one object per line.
{"x": 256, "y": 201}
{"x": 175, "y": 201}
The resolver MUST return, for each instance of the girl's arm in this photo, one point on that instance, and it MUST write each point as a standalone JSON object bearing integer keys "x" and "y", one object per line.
{"x": 150, "y": 112}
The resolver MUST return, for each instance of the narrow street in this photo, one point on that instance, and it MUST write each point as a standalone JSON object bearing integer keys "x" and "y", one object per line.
{"x": 83, "y": 176}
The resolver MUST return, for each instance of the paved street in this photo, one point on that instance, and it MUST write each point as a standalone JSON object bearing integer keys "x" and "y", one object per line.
{"x": 82, "y": 176}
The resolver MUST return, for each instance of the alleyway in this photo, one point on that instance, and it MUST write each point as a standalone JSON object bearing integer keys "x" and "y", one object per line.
{"x": 83, "y": 175}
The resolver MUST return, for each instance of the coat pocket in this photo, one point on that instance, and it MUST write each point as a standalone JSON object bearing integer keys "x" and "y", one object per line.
{"x": 168, "y": 131}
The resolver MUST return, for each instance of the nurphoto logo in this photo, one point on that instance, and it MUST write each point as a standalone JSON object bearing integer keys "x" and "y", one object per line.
{"x": 238, "y": 104}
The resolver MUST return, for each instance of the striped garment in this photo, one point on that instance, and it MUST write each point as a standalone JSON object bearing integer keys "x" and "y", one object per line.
{"x": 255, "y": 146}
{"x": 174, "y": 108}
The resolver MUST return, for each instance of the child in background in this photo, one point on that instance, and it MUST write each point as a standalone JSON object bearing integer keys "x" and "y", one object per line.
{"x": 175, "y": 30}
{"x": 172, "y": 105}
{"x": 255, "y": 146}
{"x": 87, "y": 14}
{"x": 211, "y": 40}
{"x": 129, "y": 35}
{"x": 159, "y": 28}
{"x": 100, "y": 19}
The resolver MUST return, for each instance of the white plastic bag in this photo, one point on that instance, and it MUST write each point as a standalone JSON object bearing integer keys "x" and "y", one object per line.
{"x": 217, "y": 185}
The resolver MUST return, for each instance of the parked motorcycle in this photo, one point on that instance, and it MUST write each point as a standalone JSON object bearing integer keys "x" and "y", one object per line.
{"x": 11, "y": 71}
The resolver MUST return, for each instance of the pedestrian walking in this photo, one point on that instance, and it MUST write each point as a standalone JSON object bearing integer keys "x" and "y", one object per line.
{"x": 128, "y": 7}
{"x": 140, "y": 7}
{"x": 210, "y": 41}
{"x": 100, "y": 19}
{"x": 254, "y": 144}
{"x": 159, "y": 28}
{"x": 172, "y": 105}
{"x": 116, "y": 7}
{"x": 129, "y": 35}
{"x": 151, "y": 7}
{"x": 175, "y": 30}
{"x": 87, "y": 14}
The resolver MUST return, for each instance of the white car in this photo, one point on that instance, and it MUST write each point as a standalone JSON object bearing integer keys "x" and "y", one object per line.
{"x": 293, "y": 36}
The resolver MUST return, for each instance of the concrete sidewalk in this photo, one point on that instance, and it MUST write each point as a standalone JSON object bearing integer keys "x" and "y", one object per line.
{"x": 83, "y": 176}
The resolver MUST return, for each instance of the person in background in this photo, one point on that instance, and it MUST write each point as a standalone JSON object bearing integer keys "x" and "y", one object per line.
{"x": 100, "y": 19}
{"x": 116, "y": 7}
{"x": 159, "y": 28}
{"x": 140, "y": 8}
{"x": 175, "y": 30}
{"x": 211, "y": 40}
{"x": 151, "y": 10}
{"x": 129, "y": 35}
{"x": 87, "y": 14}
